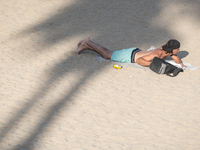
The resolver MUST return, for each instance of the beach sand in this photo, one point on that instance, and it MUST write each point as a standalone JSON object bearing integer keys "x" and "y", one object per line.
{"x": 53, "y": 99}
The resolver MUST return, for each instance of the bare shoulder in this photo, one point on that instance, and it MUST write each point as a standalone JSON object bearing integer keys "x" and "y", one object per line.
{"x": 157, "y": 52}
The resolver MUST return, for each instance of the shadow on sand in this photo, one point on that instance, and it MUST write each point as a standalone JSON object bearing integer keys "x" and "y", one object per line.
{"x": 108, "y": 19}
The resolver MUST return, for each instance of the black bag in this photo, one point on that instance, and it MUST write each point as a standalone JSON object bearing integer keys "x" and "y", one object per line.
{"x": 160, "y": 66}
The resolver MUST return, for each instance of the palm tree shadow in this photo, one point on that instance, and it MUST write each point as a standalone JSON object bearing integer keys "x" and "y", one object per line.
{"x": 67, "y": 24}
{"x": 64, "y": 67}
{"x": 62, "y": 102}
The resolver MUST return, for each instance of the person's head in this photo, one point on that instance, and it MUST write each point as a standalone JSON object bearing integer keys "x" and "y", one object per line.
{"x": 172, "y": 46}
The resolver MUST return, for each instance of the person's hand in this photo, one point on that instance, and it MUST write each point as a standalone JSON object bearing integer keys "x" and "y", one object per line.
{"x": 183, "y": 66}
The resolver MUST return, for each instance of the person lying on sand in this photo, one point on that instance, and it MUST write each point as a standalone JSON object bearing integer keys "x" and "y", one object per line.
{"x": 133, "y": 55}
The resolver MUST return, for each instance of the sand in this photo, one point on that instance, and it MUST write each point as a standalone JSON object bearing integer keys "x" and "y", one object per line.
{"x": 51, "y": 98}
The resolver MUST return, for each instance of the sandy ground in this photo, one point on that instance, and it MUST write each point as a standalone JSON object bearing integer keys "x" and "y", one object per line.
{"x": 52, "y": 99}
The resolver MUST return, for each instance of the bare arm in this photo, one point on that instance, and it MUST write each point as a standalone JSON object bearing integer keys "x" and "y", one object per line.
{"x": 178, "y": 60}
{"x": 146, "y": 60}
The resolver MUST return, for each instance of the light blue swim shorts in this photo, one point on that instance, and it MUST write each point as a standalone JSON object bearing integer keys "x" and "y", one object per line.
{"x": 123, "y": 55}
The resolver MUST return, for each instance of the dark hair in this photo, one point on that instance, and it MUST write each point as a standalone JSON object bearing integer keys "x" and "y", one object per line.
{"x": 171, "y": 45}
{"x": 169, "y": 51}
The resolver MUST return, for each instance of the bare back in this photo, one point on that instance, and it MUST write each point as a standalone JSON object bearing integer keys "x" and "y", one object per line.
{"x": 151, "y": 54}
{"x": 144, "y": 58}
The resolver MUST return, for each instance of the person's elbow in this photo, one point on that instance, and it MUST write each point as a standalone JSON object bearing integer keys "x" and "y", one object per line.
{"x": 137, "y": 61}
{"x": 142, "y": 62}
{"x": 178, "y": 61}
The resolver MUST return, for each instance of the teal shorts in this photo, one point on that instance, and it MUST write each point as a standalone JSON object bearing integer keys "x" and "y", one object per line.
{"x": 123, "y": 55}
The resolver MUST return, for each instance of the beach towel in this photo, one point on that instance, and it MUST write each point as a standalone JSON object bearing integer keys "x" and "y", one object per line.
{"x": 135, "y": 65}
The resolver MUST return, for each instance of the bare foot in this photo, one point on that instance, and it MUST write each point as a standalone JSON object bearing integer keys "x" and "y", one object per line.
{"x": 79, "y": 43}
{"x": 82, "y": 45}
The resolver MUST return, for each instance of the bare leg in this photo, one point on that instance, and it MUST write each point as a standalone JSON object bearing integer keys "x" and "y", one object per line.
{"x": 87, "y": 44}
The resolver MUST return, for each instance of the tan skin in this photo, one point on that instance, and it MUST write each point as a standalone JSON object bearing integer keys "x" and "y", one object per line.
{"x": 143, "y": 58}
